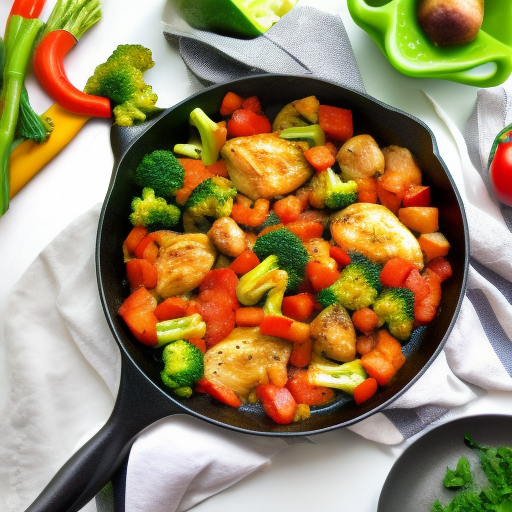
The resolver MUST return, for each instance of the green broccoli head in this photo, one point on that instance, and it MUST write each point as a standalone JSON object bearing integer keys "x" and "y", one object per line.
{"x": 153, "y": 212}
{"x": 395, "y": 306}
{"x": 312, "y": 134}
{"x": 344, "y": 376}
{"x": 291, "y": 254}
{"x": 161, "y": 171}
{"x": 265, "y": 277}
{"x": 183, "y": 367}
{"x": 192, "y": 326}
{"x": 357, "y": 287}
{"x": 211, "y": 198}
{"x": 271, "y": 220}
{"x": 328, "y": 190}
{"x": 121, "y": 80}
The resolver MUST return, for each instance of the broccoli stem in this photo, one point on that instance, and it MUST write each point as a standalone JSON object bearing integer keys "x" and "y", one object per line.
{"x": 75, "y": 16}
{"x": 20, "y": 37}
{"x": 31, "y": 125}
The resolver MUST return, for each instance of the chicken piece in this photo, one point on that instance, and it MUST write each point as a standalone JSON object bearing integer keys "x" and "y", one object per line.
{"x": 228, "y": 236}
{"x": 183, "y": 261}
{"x": 333, "y": 334}
{"x": 265, "y": 166}
{"x": 360, "y": 157}
{"x": 247, "y": 358}
{"x": 376, "y": 232}
{"x": 318, "y": 250}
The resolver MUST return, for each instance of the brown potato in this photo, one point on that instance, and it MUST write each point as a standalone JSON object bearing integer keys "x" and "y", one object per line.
{"x": 265, "y": 166}
{"x": 183, "y": 261}
{"x": 360, "y": 157}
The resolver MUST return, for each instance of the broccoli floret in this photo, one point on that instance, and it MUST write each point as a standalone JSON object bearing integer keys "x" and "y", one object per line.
{"x": 192, "y": 326}
{"x": 395, "y": 306}
{"x": 344, "y": 376}
{"x": 212, "y": 134}
{"x": 121, "y": 80}
{"x": 312, "y": 134}
{"x": 211, "y": 198}
{"x": 161, "y": 171}
{"x": 153, "y": 212}
{"x": 357, "y": 287}
{"x": 291, "y": 254}
{"x": 265, "y": 277}
{"x": 271, "y": 220}
{"x": 183, "y": 367}
{"x": 31, "y": 125}
{"x": 328, "y": 190}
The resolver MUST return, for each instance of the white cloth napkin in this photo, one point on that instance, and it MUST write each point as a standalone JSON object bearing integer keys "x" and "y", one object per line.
{"x": 58, "y": 343}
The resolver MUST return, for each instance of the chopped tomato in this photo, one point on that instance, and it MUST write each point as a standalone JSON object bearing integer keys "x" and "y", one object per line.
{"x": 336, "y": 122}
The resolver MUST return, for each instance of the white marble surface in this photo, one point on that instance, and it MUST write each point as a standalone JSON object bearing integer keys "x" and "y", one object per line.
{"x": 340, "y": 470}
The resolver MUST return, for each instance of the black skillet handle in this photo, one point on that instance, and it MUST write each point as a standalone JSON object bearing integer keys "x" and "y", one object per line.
{"x": 138, "y": 405}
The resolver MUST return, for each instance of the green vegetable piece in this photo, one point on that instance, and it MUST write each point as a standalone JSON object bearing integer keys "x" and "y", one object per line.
{"x": 395, "y": 306}
{"x": 183, "y": 367}
{"x": 153, "y": 212}
{"x": 460, "y": 476}
{"x": 343, "y": 376}
{"x": 312, "y": 134}
{"x": 213, "y": 135}
{"x": 329, "y": 190}
{"x": 186, "y": 327}
{"x": 291, "y": 254}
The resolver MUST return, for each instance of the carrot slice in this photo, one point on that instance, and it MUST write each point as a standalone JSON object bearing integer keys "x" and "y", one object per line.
{"x": 286, "y": 328}
{"x": 320, "y": 158}
{"x": 301, "y": 354}
{"x": 365, "y": 390}
{"x": 288, "y": 209}
{"x": 249, "y": 316}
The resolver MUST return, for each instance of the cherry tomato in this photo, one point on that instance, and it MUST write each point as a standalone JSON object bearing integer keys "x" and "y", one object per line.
{"x": 501, "y": 172}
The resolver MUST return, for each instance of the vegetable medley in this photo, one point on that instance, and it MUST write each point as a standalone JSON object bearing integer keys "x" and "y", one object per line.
{"x": 282, "y": 261}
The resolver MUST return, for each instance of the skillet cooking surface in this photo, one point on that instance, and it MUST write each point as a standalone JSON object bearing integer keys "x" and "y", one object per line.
{"x": 387, "y": 126}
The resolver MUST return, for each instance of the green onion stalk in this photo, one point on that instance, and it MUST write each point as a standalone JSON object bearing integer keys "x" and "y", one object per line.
{"x": 20, "y": 36}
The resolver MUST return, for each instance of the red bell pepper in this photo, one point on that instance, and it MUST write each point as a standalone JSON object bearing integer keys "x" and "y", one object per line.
{"x": 277, "y": 402}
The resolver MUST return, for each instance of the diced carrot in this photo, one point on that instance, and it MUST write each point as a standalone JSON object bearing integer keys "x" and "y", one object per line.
{"x": 306, "y": 229}
{"x": 365, "y": 320}
{"x": 390, "y": 200}
{"x": 244, "y": 262}
{"x": 137, "y": 311}
{"x": 441, "y": 266}
{"x": 365, "y": 390}
{"x": 417, "y": 195}
{"x": 433, "y": 245}
{"x": 249, "y": 316}
{"x": 134, "y": 237}
{"x": 320, "y": 158}
{"x": 218, "y": 391}
{"x": 299, "y": 307}
{"x": 417, "y": 284}
{"x": 339, "y": 255}
{"x": 366, "y": 343}
{"x": 331, "y": 147}
{"x": 335, "y": 122}
{"x": 425, "y": 311}
{"x": 367, "y": 190}
{"x": 252, "y": 103}
{"x": 230, "y": 103}
{"x": 248, "y": 214}
{"x": 171, "y": 308}
{"x": 288, "y": 209}
{"x": 245, "y": 122}
{"x": 199, "y": 343}
{"x": 147, "y": 249}
{"x": 141, "y": 272}
{"x": 286, "y": 328}
{"x": 423, "y": 219}
{"x": 320, "y": 275}
{"x": 301, "y": 354}
{"x": 390, "y": 348}
{"x": 219, "y": 168}
{"x": 195, "y": 173}
{"x": 277, "y": 402}
{"x": 395, "y": 271}
{"x": 306, "y": 393}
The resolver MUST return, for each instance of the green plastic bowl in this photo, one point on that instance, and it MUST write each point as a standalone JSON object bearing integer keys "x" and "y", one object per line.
{"x": 393, "y": 25}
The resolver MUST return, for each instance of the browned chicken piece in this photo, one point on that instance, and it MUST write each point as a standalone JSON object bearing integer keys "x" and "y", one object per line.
{"x": 360, "y": 157}
{"x": 318, "y": 250}
{"x": 183, "y": 261}
{"x": 265, "y": 166}
{"x": 247, "y": 358}
{"x": 333, "y": 334}
{"x": 228, "y": 236}
{"x": 400, "y": 170}
{"x": 376, "y": 232}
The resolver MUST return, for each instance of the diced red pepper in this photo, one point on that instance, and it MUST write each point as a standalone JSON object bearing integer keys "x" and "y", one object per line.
{"x": 171, "y": 308}
{"x": 418, "y": 285}
{"x": 441, "y": 266}
{"x": 147, "y": 249}
{"x": 306, "y": 393}
{"x": 135, "y": 236}
{"x": 365, "y": 390}
{"x": 141, "y": 272}
{"x": 339, "y": 255}
{"x": 245, "y": 122}
{"x": 219, "y": 392}
{"x": 244, "y": 262}
{"x": 336, "y": 122}
{"x": 277, "y": 402}
{"x": 320, "y": 275}
{"x": 395, "y": 272}
{"x": 230, "y": 103}
{"x": 417, "y": 195}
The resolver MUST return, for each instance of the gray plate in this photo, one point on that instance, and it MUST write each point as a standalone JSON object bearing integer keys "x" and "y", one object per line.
{"x": 416, "y": 479}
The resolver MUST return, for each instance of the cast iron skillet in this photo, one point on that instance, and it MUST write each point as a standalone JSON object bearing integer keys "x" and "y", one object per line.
{"x": 142, "y": 398}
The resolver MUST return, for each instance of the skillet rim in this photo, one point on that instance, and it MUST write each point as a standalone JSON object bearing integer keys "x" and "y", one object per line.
{"x": 136, "y": 133}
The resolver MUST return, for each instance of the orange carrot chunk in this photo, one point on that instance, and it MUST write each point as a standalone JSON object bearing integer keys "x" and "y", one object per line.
{"x": 395, "y": 272}
{"x": 301, "y": 354}
{"x": 288, "y": 209}
{"x": 171, "y": 308}
{"x": 320, "y": 158}
{"x": 134, "y": 237}
{"x": 141, "y": 272}
{"x": 137, "y": 311}
{"x": 339, "y": 255}
{"x": 249, "y": 316}
{"x": 244, "y": 262}
{"x": 299, "y": 307}
{"x": 365, "y": 390}
{"x": 230, "y": 103}
{"x": 286, "y": 328}
{"x": 321, "y": 276}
